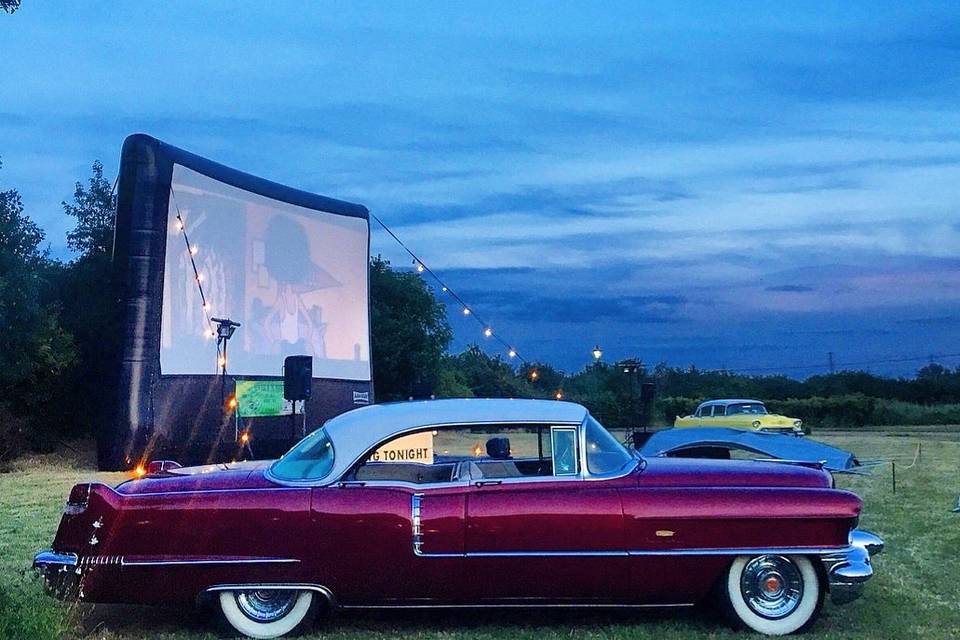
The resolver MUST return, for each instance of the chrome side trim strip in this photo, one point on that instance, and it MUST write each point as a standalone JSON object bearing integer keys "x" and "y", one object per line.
{"x": 737, "y": 551}
{"x": 521, "y": 605}
{"x": 195, "y": 561}
{"x": 547, "y": 554}
{"x": 731, "y": 551}
{"x": 187, "y": 492}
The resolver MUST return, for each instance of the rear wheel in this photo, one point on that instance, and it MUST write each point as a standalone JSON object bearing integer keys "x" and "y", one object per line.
{"x": 267, "y": 613}
{"x": 774, "y": 594}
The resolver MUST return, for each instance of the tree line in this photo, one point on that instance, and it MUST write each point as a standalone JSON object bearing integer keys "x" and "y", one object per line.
{"x": 57, "y": 318}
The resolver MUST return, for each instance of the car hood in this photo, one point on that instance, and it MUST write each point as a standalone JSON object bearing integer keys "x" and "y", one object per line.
{"x": 209, "y": 477}
{"x": 690, "y": 472}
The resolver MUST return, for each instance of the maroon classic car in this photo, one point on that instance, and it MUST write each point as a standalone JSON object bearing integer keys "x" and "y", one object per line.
{"x": 465, "y": 503}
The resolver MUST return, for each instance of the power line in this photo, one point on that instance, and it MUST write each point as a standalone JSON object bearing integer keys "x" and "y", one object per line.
{"x": 859, "y": 363}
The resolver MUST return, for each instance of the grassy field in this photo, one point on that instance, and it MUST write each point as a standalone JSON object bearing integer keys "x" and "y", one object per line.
{"x": 916, "y": 591}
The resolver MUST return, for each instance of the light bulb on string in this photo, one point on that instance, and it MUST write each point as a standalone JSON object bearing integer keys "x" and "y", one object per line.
{"x": 443, "y": 288}
{"x": 199, "y": 277}
{"x": 466, "y": 311}
{"x": 512, "y": 353}
{"x": 488, "y": 332}
{"x": 179, "y": 224}
{"x": 194, "y": 249}
{"x": 420, "y": 267}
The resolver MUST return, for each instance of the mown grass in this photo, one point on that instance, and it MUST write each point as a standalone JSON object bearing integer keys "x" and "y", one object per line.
{"x": 915, "y": 594}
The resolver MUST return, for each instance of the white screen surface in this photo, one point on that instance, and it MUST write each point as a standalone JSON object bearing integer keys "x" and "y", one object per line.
{"x": 295, "y": 278}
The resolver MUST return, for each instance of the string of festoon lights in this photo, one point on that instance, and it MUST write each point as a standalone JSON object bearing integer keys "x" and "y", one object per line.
{"x": 192, "y": 251}
{"x": 465, "y": 309}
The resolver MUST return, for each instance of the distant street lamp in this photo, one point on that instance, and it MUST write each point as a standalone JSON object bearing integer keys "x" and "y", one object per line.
{"x": 597, "y": 353}
{"x": 558, "y": 395}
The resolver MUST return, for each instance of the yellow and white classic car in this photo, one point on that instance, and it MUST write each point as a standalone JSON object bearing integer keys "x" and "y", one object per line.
{"x": 739, "y": 414}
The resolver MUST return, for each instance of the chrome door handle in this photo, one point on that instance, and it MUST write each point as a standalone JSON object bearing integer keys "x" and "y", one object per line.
{"x": 487, "y": 483}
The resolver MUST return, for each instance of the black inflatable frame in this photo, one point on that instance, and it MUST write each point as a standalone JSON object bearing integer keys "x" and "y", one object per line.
{"x": 150, "y": 415}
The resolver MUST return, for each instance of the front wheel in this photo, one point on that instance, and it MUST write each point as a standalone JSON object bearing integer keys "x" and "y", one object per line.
{"x": 267, "y": 613}
{"x": 774, "y": 594}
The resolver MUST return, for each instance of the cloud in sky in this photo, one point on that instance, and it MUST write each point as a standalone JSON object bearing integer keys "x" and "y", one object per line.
{"x": 694, "y": 184}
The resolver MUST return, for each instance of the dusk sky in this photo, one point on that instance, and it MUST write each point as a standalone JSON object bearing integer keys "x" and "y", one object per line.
{"x": 748, "y": 187}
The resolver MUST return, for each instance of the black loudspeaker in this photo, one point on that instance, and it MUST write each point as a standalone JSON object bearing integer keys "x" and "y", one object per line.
{"x": 297, "y": 377}
{"x": 647, "y": 391}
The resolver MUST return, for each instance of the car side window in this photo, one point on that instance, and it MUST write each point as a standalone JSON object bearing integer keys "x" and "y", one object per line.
{"x": 705, "y": 411}
{"x": 474, "y": 452}
{"x": 719, "y": 410}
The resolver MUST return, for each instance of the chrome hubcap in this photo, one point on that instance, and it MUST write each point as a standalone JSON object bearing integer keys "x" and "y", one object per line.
{"x": 771, "y": 586}
{"x": 265, "y": 605}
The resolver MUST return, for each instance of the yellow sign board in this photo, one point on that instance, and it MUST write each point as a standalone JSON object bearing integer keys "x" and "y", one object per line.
{"x": 417, "y": 447}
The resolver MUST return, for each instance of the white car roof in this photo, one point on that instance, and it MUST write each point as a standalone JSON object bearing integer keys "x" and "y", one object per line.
{"x": 355, "y": 432}
{"x": 733, "y": 401}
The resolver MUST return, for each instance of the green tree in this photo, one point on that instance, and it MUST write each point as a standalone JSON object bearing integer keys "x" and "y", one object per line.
{"x": 35, "y": 350}
{"x": 545, "y": 381}
{"x": 483, "y": 376}
{"x": 409, "y": 332}
{"x": 88, "y": 297}
{"x": 94, "y": 208}
{"x": 9, "y": 6}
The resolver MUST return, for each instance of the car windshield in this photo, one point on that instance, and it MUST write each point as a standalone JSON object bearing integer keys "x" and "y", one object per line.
{"x": 309, "y": 459}
{"x": 604, "y": 453}
{"x": 752, "y": 408}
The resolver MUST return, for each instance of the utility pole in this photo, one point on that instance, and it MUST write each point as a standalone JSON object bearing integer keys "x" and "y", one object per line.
{"x": 830, "y": 360}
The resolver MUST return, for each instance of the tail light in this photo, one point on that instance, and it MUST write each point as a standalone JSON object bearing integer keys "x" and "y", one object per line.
{"x": 78, "y": 499}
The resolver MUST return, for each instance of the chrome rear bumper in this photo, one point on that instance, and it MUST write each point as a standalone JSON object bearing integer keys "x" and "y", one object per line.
{"x": 848, "y": 570}
{"x": 60, "y": 571}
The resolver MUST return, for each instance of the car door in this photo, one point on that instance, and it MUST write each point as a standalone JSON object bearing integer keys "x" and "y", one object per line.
{"x": 720, "y": 417}
{"x": 373, "y": 541}
{"x": 550, "y": 537}
{"x": 706, "y": 416}
{"x": 392, "y": 531}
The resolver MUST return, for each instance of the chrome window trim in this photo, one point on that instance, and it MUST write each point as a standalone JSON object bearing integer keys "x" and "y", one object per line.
{"x": 268, "y": 473}
{"x": 578, "y": 459}
{"x": 628, "y": 467}
{"x": 582, "y": 474}
{"x": 429, "y": 427}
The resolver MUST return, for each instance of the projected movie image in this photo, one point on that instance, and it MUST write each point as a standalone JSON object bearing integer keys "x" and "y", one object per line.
{"x": 295, "y": 278}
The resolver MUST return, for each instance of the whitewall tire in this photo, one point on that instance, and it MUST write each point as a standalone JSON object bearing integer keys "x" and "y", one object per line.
{"x": 267, "y": 613}
{"x": 774, "y": 594}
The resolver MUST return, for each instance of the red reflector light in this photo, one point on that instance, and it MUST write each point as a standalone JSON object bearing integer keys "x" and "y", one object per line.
{"x": 78, "y": 499}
